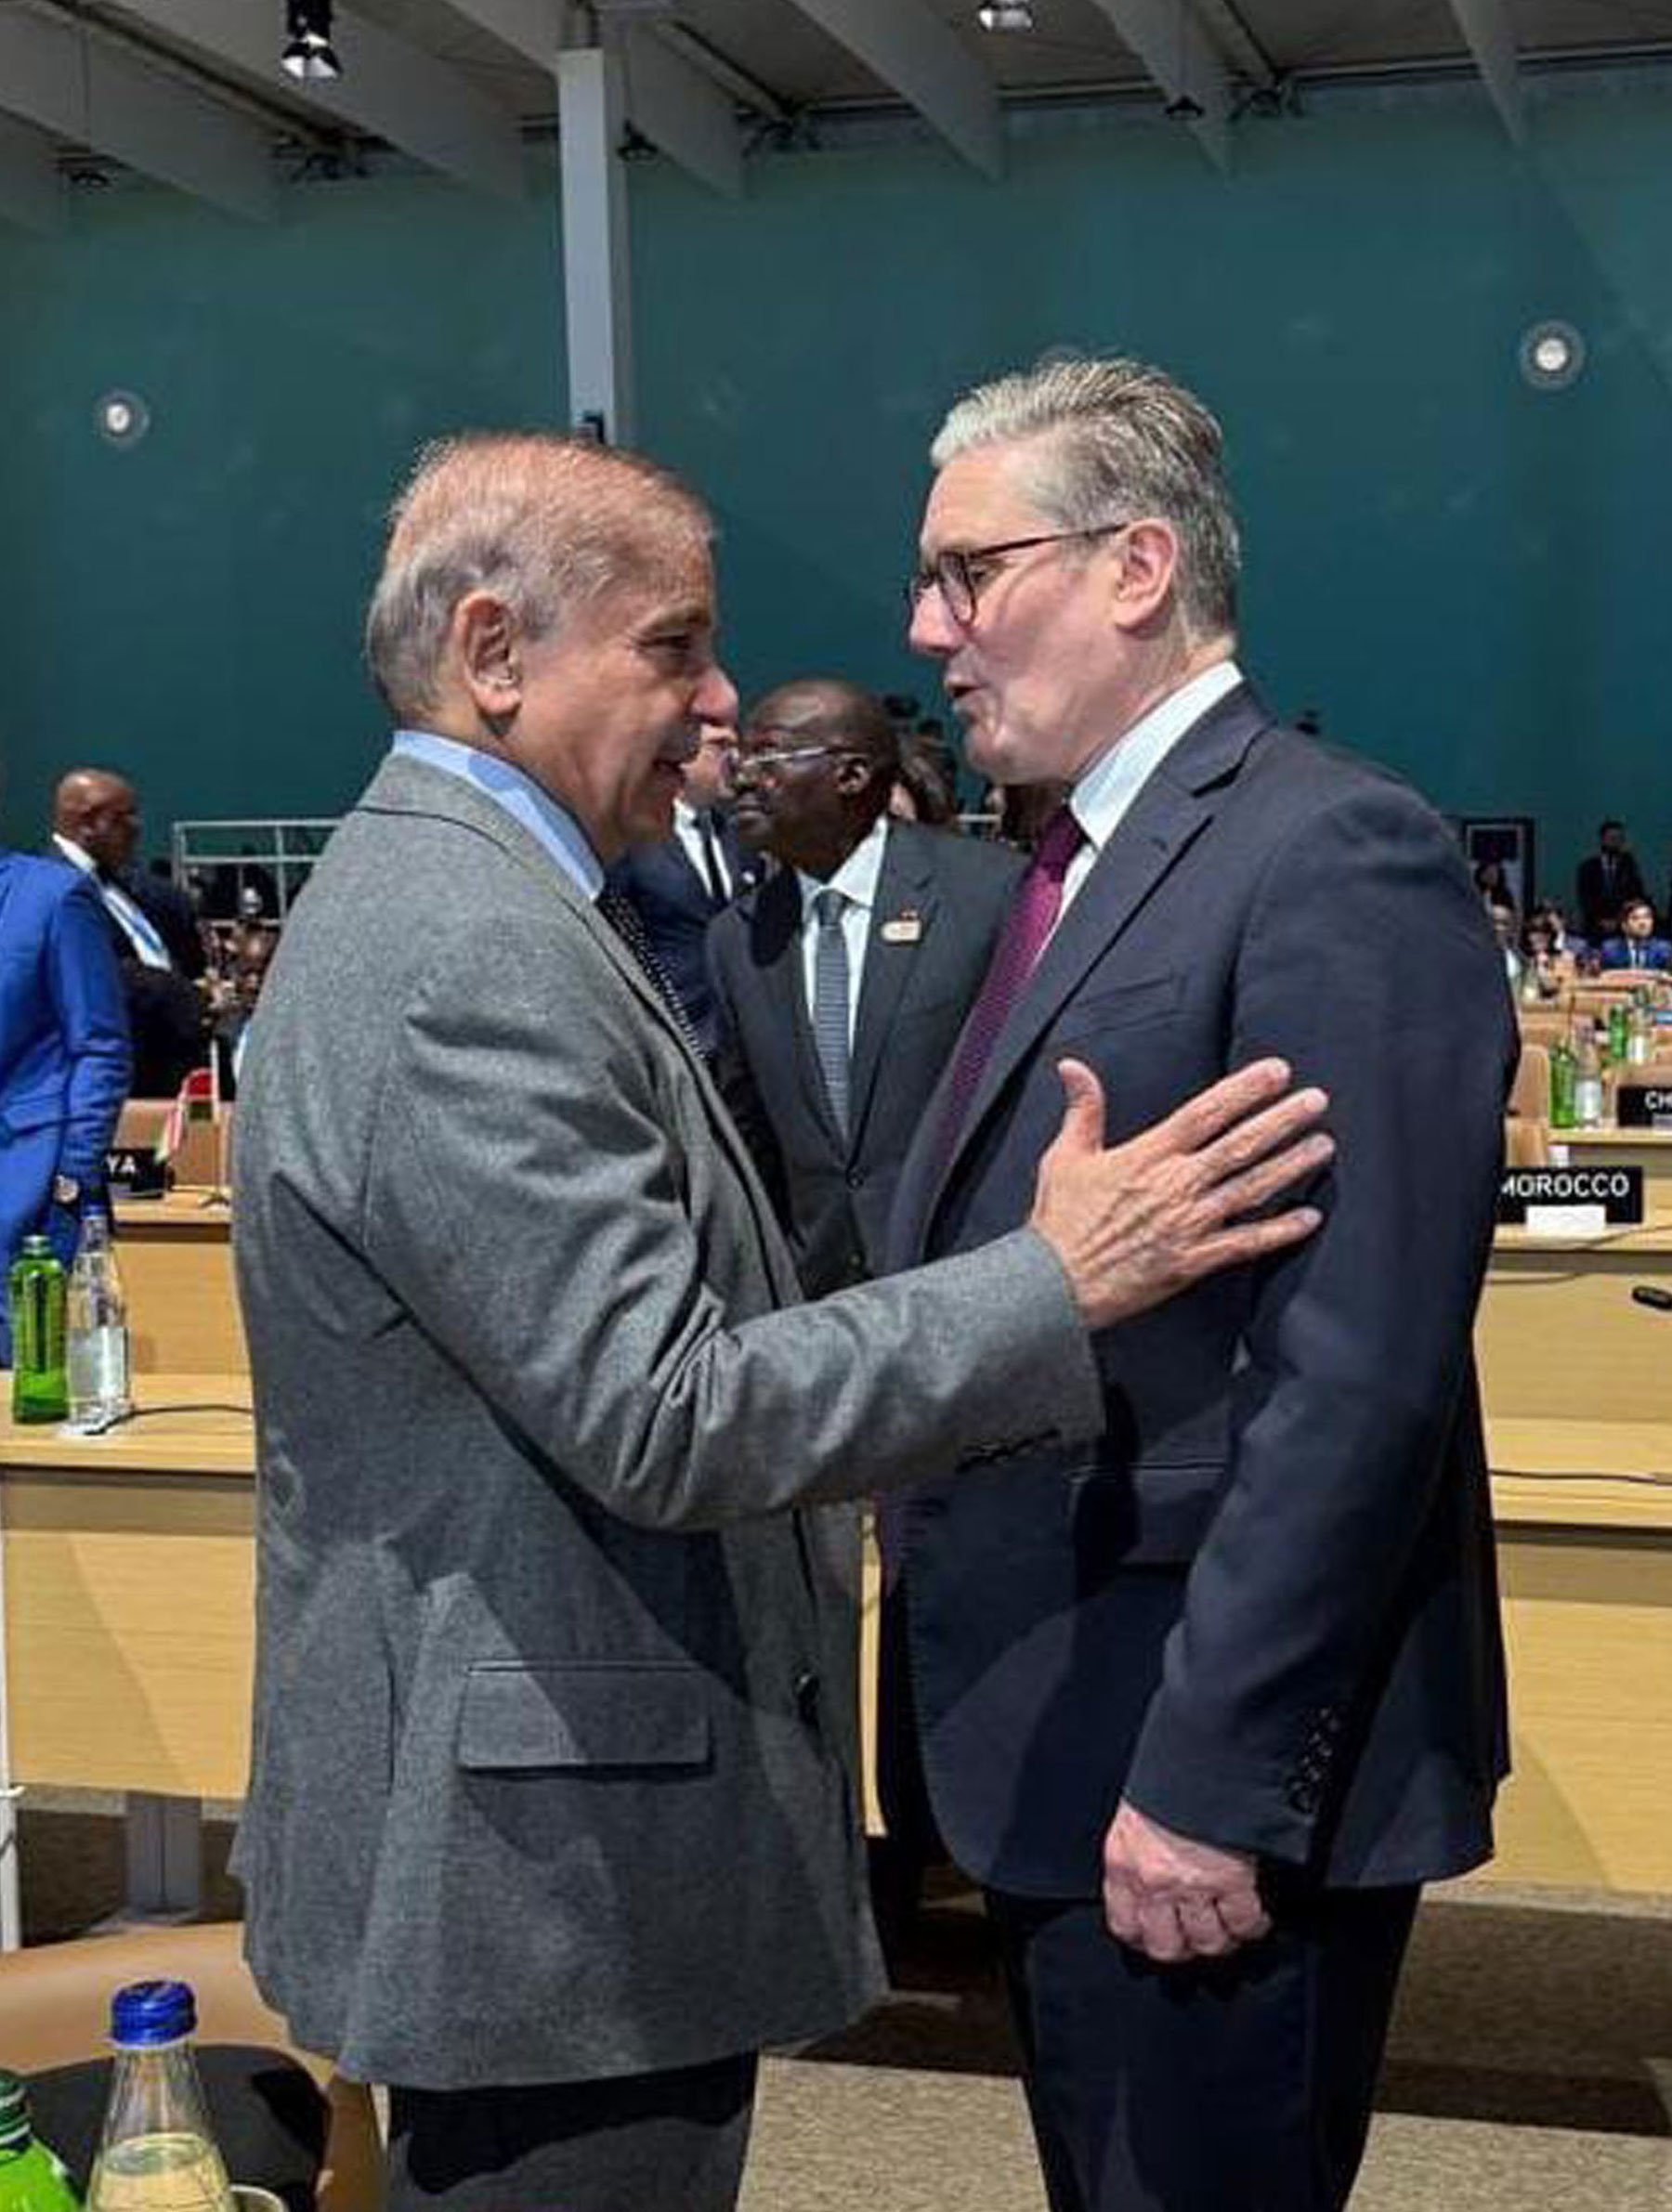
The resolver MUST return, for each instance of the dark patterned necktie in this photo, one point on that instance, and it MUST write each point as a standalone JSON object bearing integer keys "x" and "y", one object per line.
{"x": 830, "y": 1000}
{"x": 619, "y": 911}
{"x": 1025, "y": 933}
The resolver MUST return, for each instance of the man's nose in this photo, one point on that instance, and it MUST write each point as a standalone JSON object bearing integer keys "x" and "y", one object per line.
{"x": 717, "y": 699}
{"x": 931, "y": 630}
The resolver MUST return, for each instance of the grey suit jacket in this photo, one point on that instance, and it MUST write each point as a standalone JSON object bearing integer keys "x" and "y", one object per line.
{"x": 553, "y": 1730}
{"x": 834, "y": 1187}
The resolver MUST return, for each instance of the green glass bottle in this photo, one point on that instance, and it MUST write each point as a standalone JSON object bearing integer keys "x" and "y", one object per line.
{"x": 35, "y": 1294}
{"x": 31, "y": 2178}
{"x": 1618, "y": 1033}
{"x": 1564, "y": 1069}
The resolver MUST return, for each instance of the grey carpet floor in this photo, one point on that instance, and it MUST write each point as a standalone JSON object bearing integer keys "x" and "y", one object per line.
{"x": 1529, "y": 2069}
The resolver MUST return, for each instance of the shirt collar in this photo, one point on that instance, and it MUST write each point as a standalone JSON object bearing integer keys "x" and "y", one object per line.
{"x": 857, "y": 878}
{"x": 77, "y": 856}
{"x": 553, "y": 826}
{"x": 1107, "y": 790}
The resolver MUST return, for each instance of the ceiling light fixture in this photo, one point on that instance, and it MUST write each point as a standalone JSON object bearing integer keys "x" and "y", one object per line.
{"x": 1005, "y": 15}
{"x": 1552, "y": 356}
{"x": 309, "y": 54}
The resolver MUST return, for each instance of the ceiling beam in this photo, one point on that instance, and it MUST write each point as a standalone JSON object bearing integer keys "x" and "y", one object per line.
{"x": 919, "y": 56}
{"x": 77, "y": 86}
{"x": 1223, "y": 22}
{"x": 1172, "y": 46}
{"x": 1487, "y": 25}
{"x": 31, "y": 191}
{"x": 389, "y": 87}
{"x": 679, "y": 110}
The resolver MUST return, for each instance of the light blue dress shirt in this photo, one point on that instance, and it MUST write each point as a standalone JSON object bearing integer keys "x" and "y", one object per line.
{"x": 552, "y": 826}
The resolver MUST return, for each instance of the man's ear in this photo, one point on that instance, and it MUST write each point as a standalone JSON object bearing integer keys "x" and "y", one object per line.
{"x": 484, "y": 637}
{"x": 853, "y": 774}
{"x": 1145, "y": 561}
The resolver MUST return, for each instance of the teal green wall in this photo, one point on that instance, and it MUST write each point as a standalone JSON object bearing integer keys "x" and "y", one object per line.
{"x": 1466, "y": 578}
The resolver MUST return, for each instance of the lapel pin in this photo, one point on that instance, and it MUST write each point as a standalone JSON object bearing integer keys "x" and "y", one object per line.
{"x": 906, "y": 927}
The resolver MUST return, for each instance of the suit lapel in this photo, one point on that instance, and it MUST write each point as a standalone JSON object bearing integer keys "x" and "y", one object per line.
{"x": 776, "y": 945}
{"x": 905, "y": 885}
{"x": 1170, "y": 813}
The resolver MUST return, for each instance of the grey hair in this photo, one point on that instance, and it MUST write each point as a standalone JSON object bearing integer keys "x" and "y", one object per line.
{"x": 1113, "y": 440}
{"x": 544, "y": 522}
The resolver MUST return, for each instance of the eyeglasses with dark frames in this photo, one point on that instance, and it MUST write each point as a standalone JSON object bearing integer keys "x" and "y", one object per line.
{"x": 962, "y": 573}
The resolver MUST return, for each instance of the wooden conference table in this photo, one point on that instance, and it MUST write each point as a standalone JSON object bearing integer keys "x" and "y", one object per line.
{"x": 127, "y": 1577}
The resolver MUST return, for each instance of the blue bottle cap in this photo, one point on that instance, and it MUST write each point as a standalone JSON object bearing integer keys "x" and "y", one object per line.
{"x": 149, "y": 2012}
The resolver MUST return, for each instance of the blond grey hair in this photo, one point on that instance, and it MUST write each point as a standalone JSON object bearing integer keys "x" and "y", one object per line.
{"x": 544, "y": 522}
{"x": 1111, "y": 440}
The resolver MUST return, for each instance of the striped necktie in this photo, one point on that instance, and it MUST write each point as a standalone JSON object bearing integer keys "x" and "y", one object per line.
{"x": 830, "y": 1000}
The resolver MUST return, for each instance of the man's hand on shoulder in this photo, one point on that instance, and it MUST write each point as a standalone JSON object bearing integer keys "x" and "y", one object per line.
{"x": 1174, "y": 1899}
{"x": 1138, "y": 1224}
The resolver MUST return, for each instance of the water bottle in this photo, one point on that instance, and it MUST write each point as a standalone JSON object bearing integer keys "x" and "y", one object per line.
{"x": 1588, "y": 1078}
{"x": 1640, "y": 1035}
{"x": 31, "y": 2178}
{"x": 35, "y": 1292}
{"x": 155, "y": 2152}
{"x": 96, "y": 1337}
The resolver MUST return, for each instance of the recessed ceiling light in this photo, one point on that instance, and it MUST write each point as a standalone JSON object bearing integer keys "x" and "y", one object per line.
{"x": 1005, "y": 15}
{"x": 1552, "y": 356}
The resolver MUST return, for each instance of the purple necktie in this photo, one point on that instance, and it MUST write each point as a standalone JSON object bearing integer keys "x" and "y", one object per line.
{"x": 1026, "y": 931}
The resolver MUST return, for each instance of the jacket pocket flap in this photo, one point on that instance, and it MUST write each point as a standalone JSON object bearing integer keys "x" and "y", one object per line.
{"x": 1150, "y": 998}
{"x": 581, "y": 1716}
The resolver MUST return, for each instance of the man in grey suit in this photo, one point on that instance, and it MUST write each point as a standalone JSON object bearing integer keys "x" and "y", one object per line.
{"x": 549, "y": 1824}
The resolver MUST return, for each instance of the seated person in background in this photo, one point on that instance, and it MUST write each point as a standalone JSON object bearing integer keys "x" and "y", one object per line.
{"x": 1637, "y": 946}
{"x": 151, "y": 928}
{"x": 1543, "y": 971}
{"x": 1564, "y": 943}
{"x": 252, "y": 949}
{"x": 63, "y": 1056}
{"x": 1504, "y": 928}
{"x": 1607, "y": 882}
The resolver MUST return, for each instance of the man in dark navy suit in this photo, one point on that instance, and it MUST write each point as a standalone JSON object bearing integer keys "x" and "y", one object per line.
{"x": 679, "y": 886}
{"x": 96, "y": 828}
{"x": 842, "y": 982}
{"x": 1204, "y": 1705}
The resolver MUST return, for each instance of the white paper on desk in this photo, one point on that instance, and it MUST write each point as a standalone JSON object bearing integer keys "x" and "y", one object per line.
{"x": 1567, "y": 1221}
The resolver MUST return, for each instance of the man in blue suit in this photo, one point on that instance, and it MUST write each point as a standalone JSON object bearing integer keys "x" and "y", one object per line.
{"x": 1637, "y": 946}
{"x": 64, "y": 1057}
{"x": 1203, "y": 1705}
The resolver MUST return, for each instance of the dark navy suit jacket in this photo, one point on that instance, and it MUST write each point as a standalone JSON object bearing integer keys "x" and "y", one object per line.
{"x": 1263, "y": 1605}
{"x": 676, "y": 907}
{"x": 64, "y": 1057}
{"x": 940, "y": 901}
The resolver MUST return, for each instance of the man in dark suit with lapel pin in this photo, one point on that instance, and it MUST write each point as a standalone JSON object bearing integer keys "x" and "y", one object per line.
{"x": 842, "y": 984}
{"x": 1203, "y": 1705}
{"x": 677, "y": 887}
{"x": 845, "y": 977}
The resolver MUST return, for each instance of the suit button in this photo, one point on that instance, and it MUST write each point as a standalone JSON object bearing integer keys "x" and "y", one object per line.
{"x": 806, "y": 1697}
{"x": 1302, "y": 1795}
{"x": 854, "y": 1178}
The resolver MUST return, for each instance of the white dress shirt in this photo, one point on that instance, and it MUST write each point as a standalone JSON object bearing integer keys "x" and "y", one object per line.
{"x": 135, "y": 926}
{"x": 856, "y": 880}
{"x": 1105, "y": 790}
{"x": 688, "y": 829}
